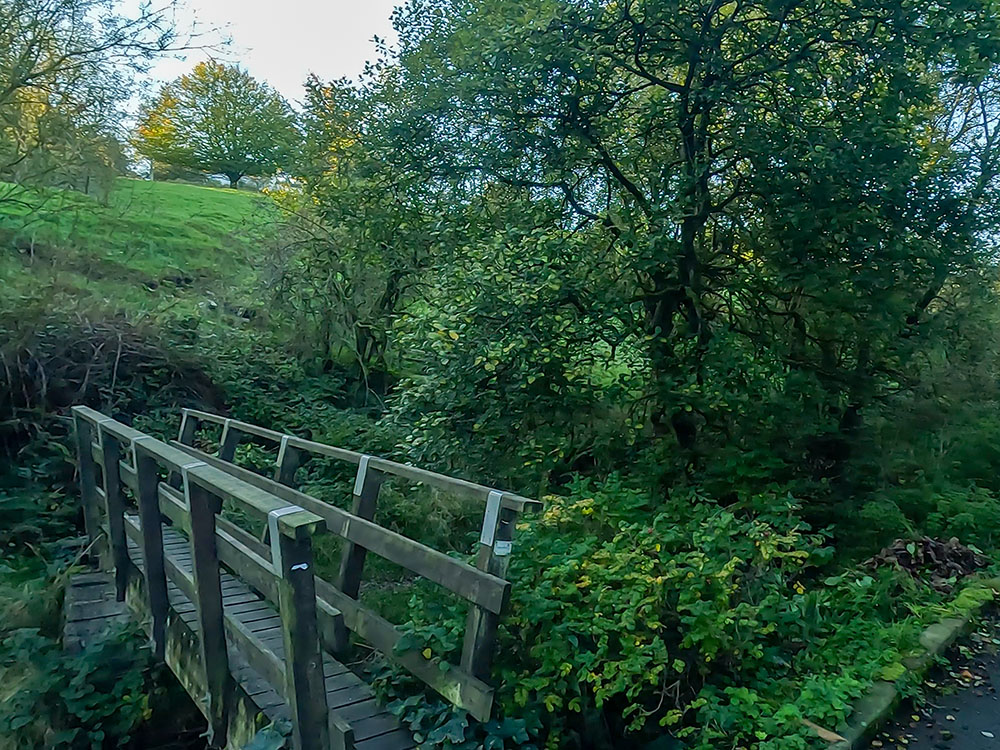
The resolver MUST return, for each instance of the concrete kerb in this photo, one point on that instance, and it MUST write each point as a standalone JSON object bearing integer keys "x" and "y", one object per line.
{"x": 871, "y": 711}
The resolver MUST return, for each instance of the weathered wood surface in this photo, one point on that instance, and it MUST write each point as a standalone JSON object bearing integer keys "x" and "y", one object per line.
{"x": 487, "y": 591}
{"x": 177, "y": 544}
{"x": 223, "y": 639}
{"x": 92, "y": 610}
{"x": 457, "y": 487}
{"x": 346, "y": 694}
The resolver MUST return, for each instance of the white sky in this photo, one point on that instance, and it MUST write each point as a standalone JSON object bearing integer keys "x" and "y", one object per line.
{"x": 282, "y": 41}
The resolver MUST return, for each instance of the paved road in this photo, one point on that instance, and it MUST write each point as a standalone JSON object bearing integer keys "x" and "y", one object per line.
{"x": 968, "y": 719}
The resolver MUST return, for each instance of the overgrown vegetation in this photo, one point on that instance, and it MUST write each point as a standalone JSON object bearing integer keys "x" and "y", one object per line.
{"x": 715, "y": 280}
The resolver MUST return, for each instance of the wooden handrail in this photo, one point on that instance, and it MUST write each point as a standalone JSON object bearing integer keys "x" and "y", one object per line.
{"x": 191, "y": 498}
{"x": 501, "y": 512}
{"x": 483, "y": 590}
{"x": 473, "y": 585}
{"x": 460, "y": 488}
{"x": 300, "y": 676}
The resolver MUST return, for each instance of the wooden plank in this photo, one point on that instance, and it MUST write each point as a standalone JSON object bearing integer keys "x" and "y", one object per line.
{"x": 339, "y": 680}
{"x": 244, "y": 554}
{"x": 460, "y": 488}
{"x": 152, "y": 550}
{"x": 82, "y": 611}
{"x": 249, "y": 608}
{"x": 227, "y": 486}
{"x": 262, "y": 628}
{"x": 245, "y": 561}
{"x": 114, "y": 504}
{"x": 481, "y": 624}
{"x": 399, "y": 739}
{"x": 304, "y": 661}
{"x": 456, "y": 685}
{"x": 332, "y": 668}
{"x": 189, "y": 426}
{"x": 247, "y": 597}
{"x": 372, "y": 726}
{"x": 87, "y": 469}
{"x": 103, "y": 592}
{"x": 250, "y": 429}
{"x": 360, "y": 710}
{"x": 459, "y": 687}
{"x": 320, "y": 449}
{"x": 288, "y": 463}
{"x": 230, "y": 439}
{"x": 367, "y": 485}
{"x": 203, "y": 508}
{"x": 90, "y": 579}
{"x": 481, "y": 588}
{"x": 348, "y": 695}
{"x": 261, "y": 658}
{"x": 457, "y": 487}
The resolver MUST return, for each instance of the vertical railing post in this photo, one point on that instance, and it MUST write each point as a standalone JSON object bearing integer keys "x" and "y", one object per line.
{"x": 189, "y": 424}
{"x": 367, "y": 484}
{"x": 88, "y": 480}
{"x": 230, "y": 439}
{"x": 288, "y": 463}
{"x": 495, "y": 545}
{"x": 115, "y": 508}
{"x": 291, "y": 530}
{"x": 148, "y": 498}
{"x": 203, "y": 507}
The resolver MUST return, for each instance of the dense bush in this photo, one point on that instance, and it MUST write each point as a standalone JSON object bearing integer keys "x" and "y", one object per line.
{"x": 631, "y": 618}
{"x": 56, "y": 699}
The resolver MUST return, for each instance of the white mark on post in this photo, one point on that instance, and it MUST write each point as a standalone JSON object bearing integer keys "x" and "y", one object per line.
{"x": 300, "y": 566}
{"x": 502, "y": 549}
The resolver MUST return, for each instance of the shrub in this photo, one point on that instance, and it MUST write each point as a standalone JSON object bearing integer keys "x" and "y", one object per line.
{"x": 54, "y": 699}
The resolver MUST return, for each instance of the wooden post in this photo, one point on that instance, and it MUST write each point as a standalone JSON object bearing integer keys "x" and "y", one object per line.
{"x": 189, "y": 425}
{"x": 115, "y": 509}
{"x": 341, "y": 733}
{"x": 230, "y": 439}
{"x": 291, "y": 543}
{"x": 495, "y": 545}
{"x": 203, "y": 507}
{"x": 367, "y": 484}
{"x": 88, "y": 480}
{"x": 288, "y": 463}
{"x": 152, "y": 544}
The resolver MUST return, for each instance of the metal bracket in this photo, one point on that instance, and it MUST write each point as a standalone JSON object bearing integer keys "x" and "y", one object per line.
{"x": 282, "y": 449}
{"x": 359, "y": 480}
{"x": 272, "y": 527}
{"x": 184, "y": 479}
{"x": 491, "y": 518}
{"x": 100, "y": 432}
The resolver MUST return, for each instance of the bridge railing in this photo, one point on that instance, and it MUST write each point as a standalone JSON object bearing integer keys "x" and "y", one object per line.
{"x": 482, "y": 585}
{"x": 128, "y": 459}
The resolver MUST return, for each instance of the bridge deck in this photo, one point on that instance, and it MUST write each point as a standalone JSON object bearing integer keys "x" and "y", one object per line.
{"x": 347, "y": 694}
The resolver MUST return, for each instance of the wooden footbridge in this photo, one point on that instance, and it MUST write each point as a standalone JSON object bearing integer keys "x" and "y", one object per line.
{"x": 256, "y": 637}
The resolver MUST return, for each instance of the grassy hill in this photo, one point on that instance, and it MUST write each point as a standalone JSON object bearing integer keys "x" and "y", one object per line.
{"x": 153, "y": 248}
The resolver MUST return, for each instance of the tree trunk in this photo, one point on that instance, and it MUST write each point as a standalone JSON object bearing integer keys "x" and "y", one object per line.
{"x": 234, "y": 181}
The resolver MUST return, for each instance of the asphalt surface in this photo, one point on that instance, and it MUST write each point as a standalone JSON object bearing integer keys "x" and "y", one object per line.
{"x": 963, "y": 706}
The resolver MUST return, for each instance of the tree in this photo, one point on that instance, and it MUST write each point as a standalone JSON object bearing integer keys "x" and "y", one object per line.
{"x": 773, "y": 172}
{"x": 220, "y": 120}
{"x": 66, "y": 69}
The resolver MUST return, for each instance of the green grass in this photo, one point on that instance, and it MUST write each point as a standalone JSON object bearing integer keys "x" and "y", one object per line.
{"x": 152, "y": 248}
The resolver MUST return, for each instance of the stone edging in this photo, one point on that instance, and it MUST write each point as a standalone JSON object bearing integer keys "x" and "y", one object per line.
{"x": 878, "y": 704}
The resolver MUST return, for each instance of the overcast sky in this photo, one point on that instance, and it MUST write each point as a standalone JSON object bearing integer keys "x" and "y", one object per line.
{"x": 282, "y": 41}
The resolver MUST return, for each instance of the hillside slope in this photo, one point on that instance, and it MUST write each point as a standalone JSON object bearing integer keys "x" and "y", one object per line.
{"x": 154, "y": 248}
